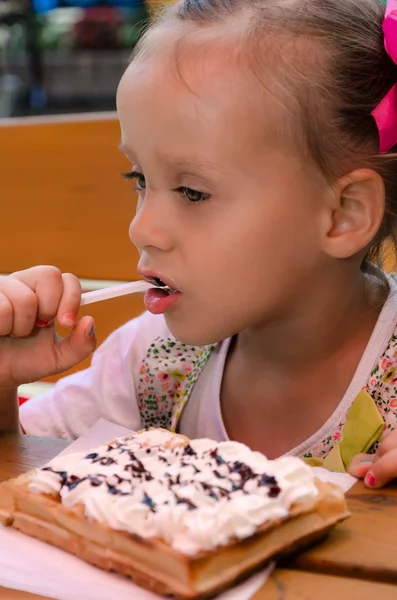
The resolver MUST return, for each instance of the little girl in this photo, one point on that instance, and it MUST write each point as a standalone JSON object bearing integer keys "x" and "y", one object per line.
{"x": 260, "y": 135}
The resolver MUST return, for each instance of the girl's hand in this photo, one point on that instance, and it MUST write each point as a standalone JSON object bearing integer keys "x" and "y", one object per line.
{"x": 30, "y": 301}
{"x": 377, "y": 469}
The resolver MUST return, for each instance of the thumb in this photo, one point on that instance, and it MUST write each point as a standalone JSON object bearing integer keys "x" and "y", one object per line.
{"x": 360, "y": 465}
{"x": 77, "y": 346}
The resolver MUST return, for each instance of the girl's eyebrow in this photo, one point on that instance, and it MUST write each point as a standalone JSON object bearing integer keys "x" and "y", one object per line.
{"x": 182, "y": 163}
{"x": 193, "y": 163}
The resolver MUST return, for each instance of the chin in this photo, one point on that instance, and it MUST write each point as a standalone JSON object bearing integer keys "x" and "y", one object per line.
{"x": 191, "y": 333}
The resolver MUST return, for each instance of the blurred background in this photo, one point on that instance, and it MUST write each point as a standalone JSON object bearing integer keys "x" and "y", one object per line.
{"x": 60, "y": 56}
{"x": 63, "y": 200}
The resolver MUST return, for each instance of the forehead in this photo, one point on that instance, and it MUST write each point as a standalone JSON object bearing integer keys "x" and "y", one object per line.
{"x": 197, "y": 89}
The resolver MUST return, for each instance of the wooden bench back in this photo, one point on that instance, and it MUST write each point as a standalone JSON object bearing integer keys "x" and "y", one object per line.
{"x": 63, "y": 200}
{"x": 65, "y": 204}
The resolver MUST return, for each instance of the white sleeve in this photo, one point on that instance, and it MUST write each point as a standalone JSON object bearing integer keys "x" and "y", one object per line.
{"x": 106, "y": 389}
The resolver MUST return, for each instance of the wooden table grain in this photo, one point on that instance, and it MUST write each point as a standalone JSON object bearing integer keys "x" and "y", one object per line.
{"x": 20, "y": 453}
{"x": 358, "y": 560}
{"x": 365, "y": 545}
{"x": 290, "y": 584}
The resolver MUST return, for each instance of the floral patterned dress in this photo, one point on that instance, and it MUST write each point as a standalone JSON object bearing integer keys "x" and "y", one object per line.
{"x": 170, "y": 370}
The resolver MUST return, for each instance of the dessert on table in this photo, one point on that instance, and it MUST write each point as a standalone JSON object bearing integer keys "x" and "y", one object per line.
{"x": 180, "y": 517}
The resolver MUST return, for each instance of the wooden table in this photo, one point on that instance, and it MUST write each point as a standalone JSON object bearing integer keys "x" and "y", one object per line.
{"x": 358, "y": 560}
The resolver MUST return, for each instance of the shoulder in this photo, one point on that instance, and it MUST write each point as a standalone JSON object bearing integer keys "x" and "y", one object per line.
{"x": 384, "y": 335}
{"x": 382, "y": 382}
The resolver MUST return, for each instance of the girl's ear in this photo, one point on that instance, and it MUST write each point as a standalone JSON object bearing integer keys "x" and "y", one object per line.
{"x": 355, "y": 214}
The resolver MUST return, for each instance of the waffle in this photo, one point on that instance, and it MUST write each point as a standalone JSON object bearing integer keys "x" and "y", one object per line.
{"x": 159, "y": 547}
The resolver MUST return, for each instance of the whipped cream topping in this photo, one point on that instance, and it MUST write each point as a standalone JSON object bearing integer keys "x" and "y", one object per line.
{"x": 196, "y": 496}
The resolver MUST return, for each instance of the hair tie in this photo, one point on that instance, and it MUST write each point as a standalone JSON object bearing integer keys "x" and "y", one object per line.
{"x": 385, "y": 114}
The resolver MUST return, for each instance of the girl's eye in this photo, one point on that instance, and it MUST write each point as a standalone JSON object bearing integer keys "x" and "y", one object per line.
{"x": 192, "y": 195}
{"x": 139, "y": 179}
{"x": 188, "y": 193}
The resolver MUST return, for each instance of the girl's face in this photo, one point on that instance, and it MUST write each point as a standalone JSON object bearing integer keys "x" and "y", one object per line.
{"x": 228, "y": 212}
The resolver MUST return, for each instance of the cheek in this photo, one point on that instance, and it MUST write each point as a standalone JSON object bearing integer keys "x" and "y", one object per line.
{"x": 261, "y": 250}
{"x": 277, "y": 227}
{"x": 251, "y": 235}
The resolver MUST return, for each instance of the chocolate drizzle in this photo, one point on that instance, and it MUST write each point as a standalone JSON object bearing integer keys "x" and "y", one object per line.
{"x": 106, "y": 461}
{"x": 188, "y": 451}
{"x": 217, "y": 458}
{"x": 182, "y": 468}
{"x": 149, "y": 502}
{"x": 188, "y": 503}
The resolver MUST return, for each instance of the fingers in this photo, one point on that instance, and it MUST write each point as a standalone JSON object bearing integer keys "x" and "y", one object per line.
{"x": 47, "y": 283}
{"x": 31, "y": 277}
{"x": 360, "y": 465}
{"x": 388, "y": 444}
{"x": 70, "y": 301}
{"x": 18, "y": 307}
{"x": 31, "y": 299}
{"x": 383, "y": 470}
{"x": 77, "y": 346}
{"x": 57, "y": 295}
{"x": 6, "y": 315}
{"x": 380, "y": 468}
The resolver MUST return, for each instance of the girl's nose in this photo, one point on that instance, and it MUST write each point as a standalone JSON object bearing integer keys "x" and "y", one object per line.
{"x": 149, "y": 226}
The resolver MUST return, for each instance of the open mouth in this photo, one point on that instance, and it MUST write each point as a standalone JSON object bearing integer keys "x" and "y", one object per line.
{"x": 160, "y": 284}
{"x": 161, "y": 298}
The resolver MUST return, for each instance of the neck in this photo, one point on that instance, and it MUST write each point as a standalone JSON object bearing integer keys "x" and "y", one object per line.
{"x": 340, "y": 308}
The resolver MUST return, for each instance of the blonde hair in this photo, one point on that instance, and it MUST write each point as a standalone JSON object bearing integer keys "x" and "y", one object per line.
{"x": 332, "y": 58}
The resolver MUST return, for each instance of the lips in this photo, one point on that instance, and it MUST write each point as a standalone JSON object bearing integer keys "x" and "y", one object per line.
{"x": 160, "y": 281}
{"x": 162, "y": 298}
{"x": 160, "y": 301}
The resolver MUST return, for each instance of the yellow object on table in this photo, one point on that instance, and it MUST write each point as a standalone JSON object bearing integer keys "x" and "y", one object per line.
{"x": 363, "y": 427}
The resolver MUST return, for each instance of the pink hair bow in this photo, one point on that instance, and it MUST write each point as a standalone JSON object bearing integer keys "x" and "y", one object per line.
{"x": 385, "y": 114}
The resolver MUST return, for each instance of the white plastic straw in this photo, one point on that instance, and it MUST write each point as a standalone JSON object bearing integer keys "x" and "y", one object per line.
{"x": 133, "y": 287}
